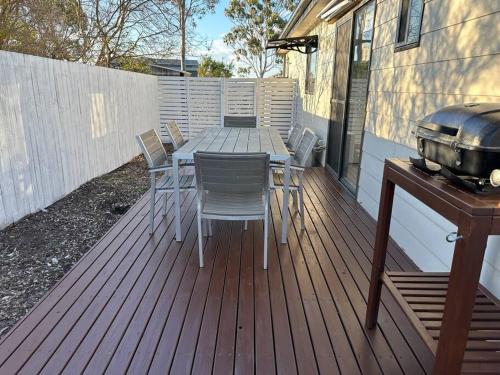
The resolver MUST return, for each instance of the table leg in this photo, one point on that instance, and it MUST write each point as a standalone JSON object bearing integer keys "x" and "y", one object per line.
{"x": 286, "y": 193}
{"x": 177, "y": 200}
{"x": 461, "y": 295}
{"x": 380, "y": 250}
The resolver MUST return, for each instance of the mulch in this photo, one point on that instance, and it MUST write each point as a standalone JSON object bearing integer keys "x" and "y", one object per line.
{"x": 39, "y": 249}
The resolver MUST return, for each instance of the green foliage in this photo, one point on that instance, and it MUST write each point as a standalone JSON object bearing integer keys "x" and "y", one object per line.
{"x": 255, "y": 22}
{"x": 212, "y": 68}
{"x": 134, "y": 64}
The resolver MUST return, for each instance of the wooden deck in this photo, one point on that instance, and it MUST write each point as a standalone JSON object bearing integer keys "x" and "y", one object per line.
{"x": 141, "y": 304}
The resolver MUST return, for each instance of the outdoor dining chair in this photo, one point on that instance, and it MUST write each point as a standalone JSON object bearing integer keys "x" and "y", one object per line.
{"x": 294, "y": 137}
{"x": 232, "y": 186}
{"x": 157, "y": 159}
{"x": 299, "y": 160}
{"x": 175, "y": 135}
{"x": 240, "y": 121}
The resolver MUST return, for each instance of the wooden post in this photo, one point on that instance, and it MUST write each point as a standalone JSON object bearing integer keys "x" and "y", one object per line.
{"x": 380, "y": 250}
{"x": 462, "y": 288}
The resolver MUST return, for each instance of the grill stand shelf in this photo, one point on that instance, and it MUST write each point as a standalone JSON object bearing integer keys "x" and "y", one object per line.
{"x": 457, "y": 318}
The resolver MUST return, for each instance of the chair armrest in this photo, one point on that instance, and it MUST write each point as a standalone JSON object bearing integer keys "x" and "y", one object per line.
{"x": 160, "y": 168}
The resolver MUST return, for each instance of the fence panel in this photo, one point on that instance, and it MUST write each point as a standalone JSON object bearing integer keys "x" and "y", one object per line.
{"x": 196, "y": 103}
{"x": 277, "y": 103}
{"x": 62, "y": 124}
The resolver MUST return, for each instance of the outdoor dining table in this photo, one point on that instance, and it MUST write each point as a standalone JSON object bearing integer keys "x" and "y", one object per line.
{"x": 236, "y": 140}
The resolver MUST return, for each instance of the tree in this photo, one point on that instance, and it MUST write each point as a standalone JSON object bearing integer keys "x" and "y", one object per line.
{"x": 184, "y": 14}
{"x": 122, "y": 29}
{"x": 212, "y": 68}
{"x": 50, "y": 28}
{"x": 255, "y": 22}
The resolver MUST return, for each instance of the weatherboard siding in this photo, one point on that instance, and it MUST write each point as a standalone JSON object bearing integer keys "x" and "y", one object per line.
{"x": 458, "y": 61}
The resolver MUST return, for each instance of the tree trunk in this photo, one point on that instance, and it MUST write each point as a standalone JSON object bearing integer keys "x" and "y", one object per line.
{"x": 182, "y": 23}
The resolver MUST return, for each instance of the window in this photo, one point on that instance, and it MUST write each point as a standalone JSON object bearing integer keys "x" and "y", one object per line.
{"x": 410, "y": 22}
{"x": 311, "y": 71}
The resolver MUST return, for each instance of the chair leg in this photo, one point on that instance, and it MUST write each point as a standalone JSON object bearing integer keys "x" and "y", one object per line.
{"x": 165, "y": 204}
{"x": 246, "y": 224}
{"x": 266, "y": 230}
{"x": 200, "y": 241}
{"x": 152, "y": 204}
{"x": 301, "y": 199}
{"x": 294, "y": 199}
{"x": 210, "y": 227}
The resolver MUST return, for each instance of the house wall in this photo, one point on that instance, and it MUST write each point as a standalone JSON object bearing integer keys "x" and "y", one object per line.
{"x": 458, "y": 61}
{"x": 62, "y": 124}
{"x": 314, "y": 109}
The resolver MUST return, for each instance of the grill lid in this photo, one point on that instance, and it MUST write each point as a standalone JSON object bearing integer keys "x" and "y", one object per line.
{"x": 474, "y": 126}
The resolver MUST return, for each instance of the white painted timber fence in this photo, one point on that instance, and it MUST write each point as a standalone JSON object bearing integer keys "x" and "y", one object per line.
{"x": 196, "y": 103}
{"x": 62, "y": 124}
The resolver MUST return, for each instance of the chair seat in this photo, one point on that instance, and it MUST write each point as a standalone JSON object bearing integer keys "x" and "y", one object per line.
{"x": 233, "y": 204}
{"x": 166, "y": 183}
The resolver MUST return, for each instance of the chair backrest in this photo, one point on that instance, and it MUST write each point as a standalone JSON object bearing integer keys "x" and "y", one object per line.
{"x": 175, "y": 135}
{"x": 295, "y": 137}
{"x": 232, "y": 172}
{"x": 240, "y": 121}
{"x": 152, "y": 148}
{"x": 305, "y": 147}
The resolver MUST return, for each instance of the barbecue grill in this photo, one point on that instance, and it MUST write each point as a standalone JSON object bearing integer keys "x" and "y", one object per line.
{"x": 465, "y": 141}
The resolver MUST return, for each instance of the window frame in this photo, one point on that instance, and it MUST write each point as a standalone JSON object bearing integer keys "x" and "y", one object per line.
{"x": 405, "y": 45}
{"x": 308, "y": 89}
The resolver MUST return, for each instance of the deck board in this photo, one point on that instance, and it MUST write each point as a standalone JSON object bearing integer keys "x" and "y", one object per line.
{"x": 140, "y": 303}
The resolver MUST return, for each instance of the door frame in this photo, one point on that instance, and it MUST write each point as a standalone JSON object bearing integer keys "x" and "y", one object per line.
{"x": 330, "y": 120}
{"x": 350, "y": 16}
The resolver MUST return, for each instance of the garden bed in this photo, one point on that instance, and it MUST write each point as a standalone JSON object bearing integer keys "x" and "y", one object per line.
{"x": 39, "y": 249}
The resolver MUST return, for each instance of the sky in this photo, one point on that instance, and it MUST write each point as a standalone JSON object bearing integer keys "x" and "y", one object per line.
{"x": 213, "y": 27}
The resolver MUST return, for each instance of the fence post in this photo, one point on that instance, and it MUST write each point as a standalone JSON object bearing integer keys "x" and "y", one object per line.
{"x": 222, "y": 100}
{"x": 188, "y": 95}
{"x": 256, "y": 98}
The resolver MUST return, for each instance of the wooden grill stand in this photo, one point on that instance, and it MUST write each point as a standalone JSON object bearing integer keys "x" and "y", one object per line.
{"x": 450, "y": 311}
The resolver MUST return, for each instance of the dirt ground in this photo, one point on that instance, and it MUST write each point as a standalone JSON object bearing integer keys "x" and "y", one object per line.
{"x": 39, "y": 249}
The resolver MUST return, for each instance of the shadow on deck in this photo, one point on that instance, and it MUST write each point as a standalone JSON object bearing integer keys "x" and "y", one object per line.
{"x": 138, "y": 303}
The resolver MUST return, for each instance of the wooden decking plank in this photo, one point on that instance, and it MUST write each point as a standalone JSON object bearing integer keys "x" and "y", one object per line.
{"x": 366, "y": 224}
{"x": 360, "y": 267}
{"x": 346, "y": 360}
{"x": 103, "y": 307}
{"x": 98, "y": 342}
{"x": 193, "y": 285}
{"x": 136, "y": 303}
{"x": 303, "y": 342}
{"x": 244, "y": 357}
{"x": 83, "y": 293}
{"x": 284, "y": 346}
{"x": 29, "y": 321}
{"x": 132, "y": 334}
{"x": 220, "y": 310}
{"x": 402, "y": 323}
{"x": 322, "y": 345}
{"x": 184, "y": 354}
{"x": 140, "y": 360}
{"x": 265, "y": 361}
{"x": 355, "y": 234}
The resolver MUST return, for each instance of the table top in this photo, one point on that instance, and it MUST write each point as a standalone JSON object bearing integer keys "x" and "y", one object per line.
{"x": 472, "y": 203}
{"x": 263, "y": 139}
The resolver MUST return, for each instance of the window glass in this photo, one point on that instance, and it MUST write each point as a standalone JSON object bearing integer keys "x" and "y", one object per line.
{"x": 410, "y": 20}
{"x": 311, "y": 72}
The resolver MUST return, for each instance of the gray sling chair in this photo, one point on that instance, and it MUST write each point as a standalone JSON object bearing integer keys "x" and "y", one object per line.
{"x": 297, "y": 168}
{"x": 240, "y": 121}
{"x": 157, "y": 159}
{"x": 294, "y": 137}
{"x": 232, "y": 186}
{"x": 175, "y": 135}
